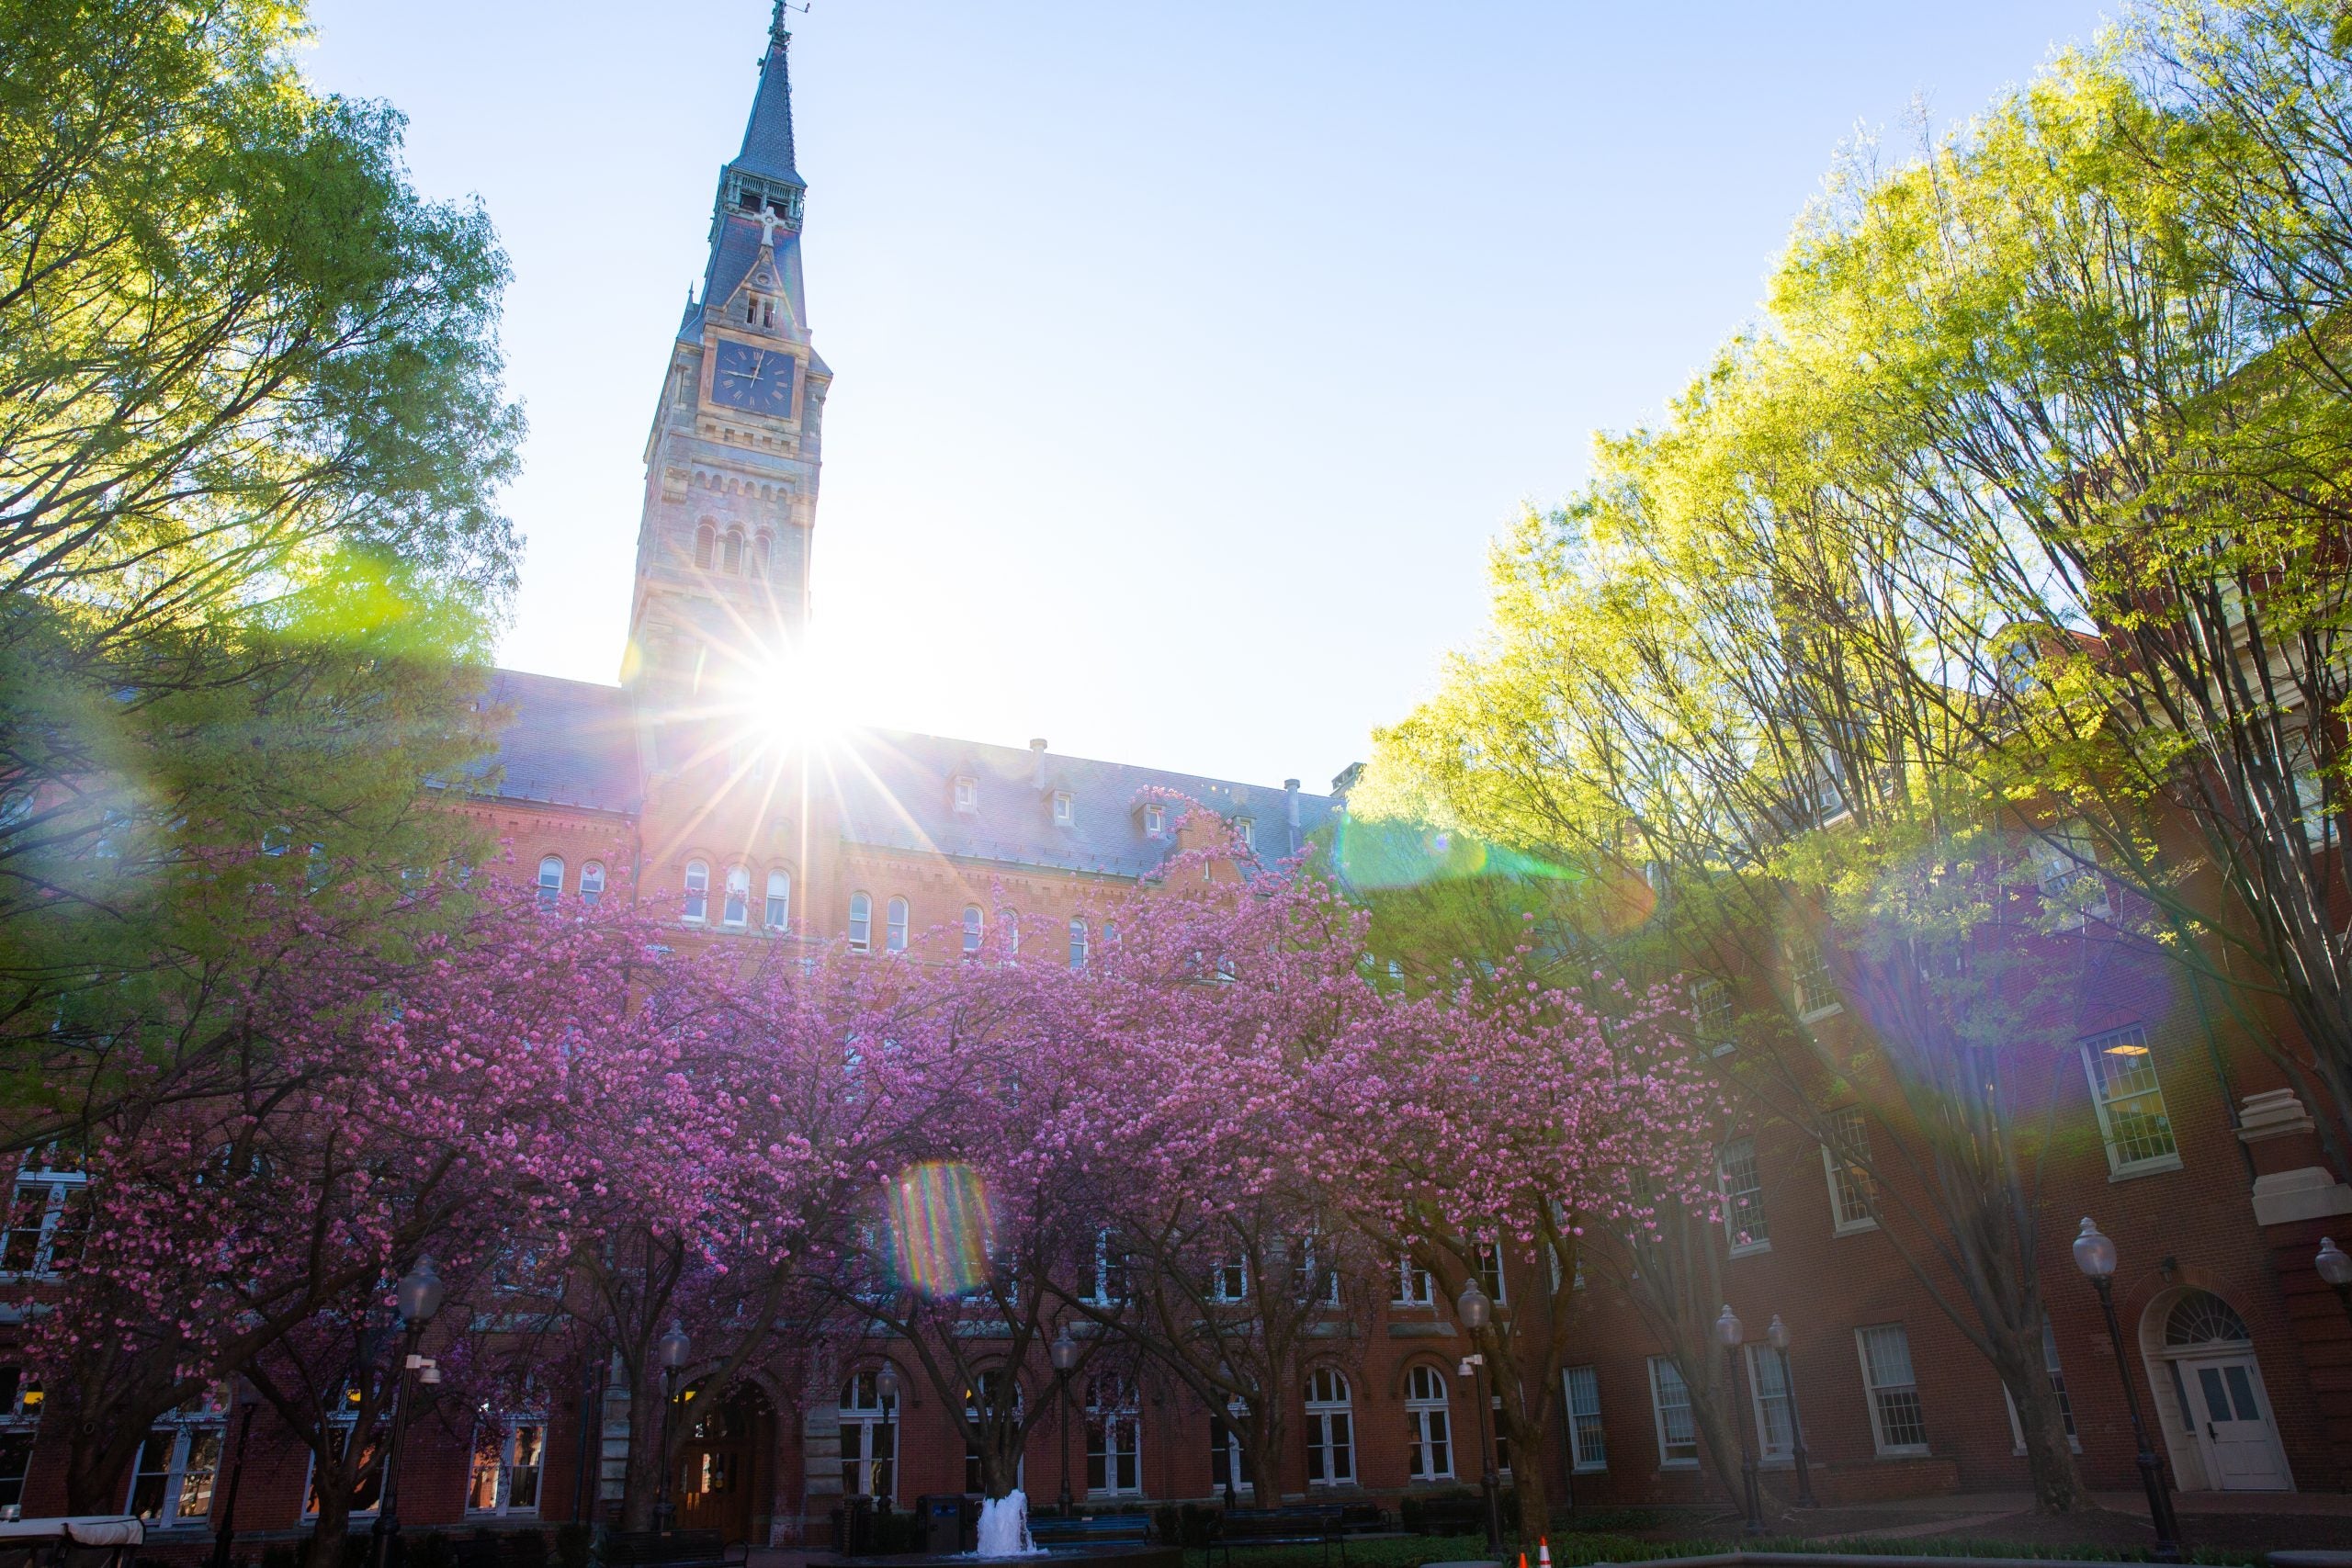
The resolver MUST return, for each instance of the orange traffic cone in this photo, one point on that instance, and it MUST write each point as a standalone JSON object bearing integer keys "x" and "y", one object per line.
{"x": 1542, "y": 1552}
{"x": 1523, "y": 1560}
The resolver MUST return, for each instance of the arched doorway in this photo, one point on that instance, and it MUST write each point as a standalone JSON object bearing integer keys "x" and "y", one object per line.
{"x": 726, "y": 1478}
{"x": 2210, "y": 1399}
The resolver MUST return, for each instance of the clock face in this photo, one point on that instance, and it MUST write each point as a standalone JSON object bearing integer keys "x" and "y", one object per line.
{"x": 758, "y": 379}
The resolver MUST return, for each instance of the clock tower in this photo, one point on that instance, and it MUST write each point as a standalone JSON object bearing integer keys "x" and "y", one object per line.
{"x": 721, "y": 596}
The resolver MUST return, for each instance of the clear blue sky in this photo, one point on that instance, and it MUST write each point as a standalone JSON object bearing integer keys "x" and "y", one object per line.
{"x": 1186, "y": 357}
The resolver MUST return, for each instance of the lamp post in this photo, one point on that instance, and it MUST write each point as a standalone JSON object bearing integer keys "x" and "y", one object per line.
{"x": 673, "y": 1349}
{"x": 1065, "y": 1358}
{"x": 2334, "y": 1266}
{"x": 1476, "y": 1311}
{"x": 418, "y": 1296}
{"x": 1778, "y": 1336}
{"x": 886, "y": 1393}
{"x": 248, "y": 1400}
{"x": 2095, "y": 1256}
{"x": 1729, "y": 1332}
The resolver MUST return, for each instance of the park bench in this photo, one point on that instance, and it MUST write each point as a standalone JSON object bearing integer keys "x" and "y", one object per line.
{"x": 1100, "y": 1530}
{"x": 1307, "y": 1526}
{"x": 664, "y": 1549}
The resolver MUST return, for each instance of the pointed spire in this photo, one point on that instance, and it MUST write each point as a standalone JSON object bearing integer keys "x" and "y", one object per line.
{"x": 767, "y": 136}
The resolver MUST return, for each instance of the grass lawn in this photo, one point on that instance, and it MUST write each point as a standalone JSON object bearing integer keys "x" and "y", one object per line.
{"x": 1574, "y": 1549}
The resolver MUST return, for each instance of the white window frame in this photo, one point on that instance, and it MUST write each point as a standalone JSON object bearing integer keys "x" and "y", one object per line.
{"x": 864, "y": 1414}
{"x": 1246, "y": 829}
{"x": 2120, "y": 1167}
{"x": 1761, "y": 1235}
{"x": 2057, "y": 1381}
{"x": 694, "y": 909}
{"x": 1873, "y": 1391}
{"x": 1154, "y": 818}
{"x": 1112, "y": 1266}
{"x": 1840, "y": 1175}
{"x": 1487, "y": 1267}
{"x": 2066, "y": 874}
{"x": 1660, "y": 1404}
{"x": 861, "y": 921}
{"x": 1809, "y": 971}
{"x": 975, "y": 930}
{"x": 965, "y": 793}
{"x": 1230, "y": 1279}
{"x": 1763, "y": 1361}
{"x": 1065, "y": 809}
{"x": 1106, "y": 1424}
{"x": 1305, "y": 1272}
{"x": 1428, "y": 1424}
{"x": 776, "y": 909}
{"x": 897, "y": 920}
{"x": 551, "y": 891}
{"x": 1077, "y": 942}
{"x": 1588, "y": 1452}
{"x": 591, "y": 883}
{"x": 182, "y": 1435}
{"x": 1331, "y": 1429}
{"x": 503, "y": 1457}
{"x": 1415, "y": 1285}
{"x": 1711, "y": 1015}
{"x": 735, "y": 906}
{"x": 55, "y": 1192}
{"x": 346, "y": 1424}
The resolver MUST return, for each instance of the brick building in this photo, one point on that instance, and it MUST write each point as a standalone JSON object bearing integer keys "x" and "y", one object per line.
{"x": 675, "y": 785}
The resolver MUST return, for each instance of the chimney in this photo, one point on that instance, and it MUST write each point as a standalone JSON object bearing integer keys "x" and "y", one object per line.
{"x": 1037, "y": 774}
{"x": 1290, "y": 798}
{"x": 1345, "y": 780}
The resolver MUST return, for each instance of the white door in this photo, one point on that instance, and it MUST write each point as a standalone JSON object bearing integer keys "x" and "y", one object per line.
{"x": 2233, "y": 1425}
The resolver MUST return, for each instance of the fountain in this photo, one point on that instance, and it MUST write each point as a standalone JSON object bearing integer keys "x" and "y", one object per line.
{"x": 1004, "y": 1528}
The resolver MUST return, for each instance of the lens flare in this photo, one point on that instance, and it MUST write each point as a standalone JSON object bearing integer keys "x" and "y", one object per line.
{"x": 940, "y": 1228}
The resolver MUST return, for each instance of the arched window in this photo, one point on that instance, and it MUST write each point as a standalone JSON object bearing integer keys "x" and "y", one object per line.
{"x": 731, "y": 560}
{"x": 1076, "y": 943}
{"x": 1428, "y": 1434}
{"x": 706, "y": 546}
{"x": 762, "y": 554}
{"x": 898, "y": 932}
{"x": 697, "y": 908}
{"x": 778, "y": 914}
{"x": 2203, "y": 1318}
{"x": 591, "y": 883}
{"x": 971, "y": 929}
{"x": 869, "y": 1438}
{"x": 1330, "y": 1431}
{"x": 861, "y": 923}
{"x": 737, "y": 910}
{"x": 550, "y": 881}
{"x": 1114, "y": 1439}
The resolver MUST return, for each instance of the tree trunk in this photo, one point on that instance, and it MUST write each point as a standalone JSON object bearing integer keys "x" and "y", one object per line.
{"x": 2048, "y": 1457}
{"x": 1534, "y": 1490}
{"x": 1262, "y": 1450}
{"x": 642, "y": 1476}
{"x": 334, "y": 1518}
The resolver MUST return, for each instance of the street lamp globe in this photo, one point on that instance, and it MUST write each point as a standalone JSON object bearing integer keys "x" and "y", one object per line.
{"x": 2335, "y": 1264}
{"x": 1729, "y": 1330}
{"x": 419, "y": 1293}
{"x": 2094, "y": 1253}
{"x": 1064, "y": 1351}
{"x": 1474, "y": 1310}
{"x": 1777, "y": 1335}
{"x": 674, "y": 1346}
{"x": 886, "y": 1385}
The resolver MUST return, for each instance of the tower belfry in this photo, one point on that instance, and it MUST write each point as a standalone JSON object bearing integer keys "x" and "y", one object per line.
{"x": 732, "y": 459}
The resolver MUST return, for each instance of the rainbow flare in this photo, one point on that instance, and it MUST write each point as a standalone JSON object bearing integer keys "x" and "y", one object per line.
{"x": 941, "y": 1230}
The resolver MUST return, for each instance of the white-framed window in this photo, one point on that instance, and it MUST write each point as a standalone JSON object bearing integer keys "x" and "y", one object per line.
{"x": 965, "y": 793}
{"x": 1587, "y": 1442}
{"x": 2130, "y": 1102}
{"x": 870, "y": 1438}
{"x": 1154, "y": 818}
{"x": 172, "y": 1479}
{"x": 2058, "y": 1382}
{"x": 1711, "y": 1014}
{"x": 550, "y": 881}
{"x": 1065, "y": 808}
{"x": 1897, "y": 1425}
{"x": 1810, "y": 987}
{"x": 1076, "y": 943}
{"x": 1225, "y": 1450}
{"x": 988, "y": 1379}
{"x": 591, "y": 883}
{"x": 1113, "y": 1438}
{"x": 1767, "y": 1396}
{"x": 1246, "y": 829}
{"x": 1486, "y": 1257}
{"x": 1429, "y": 1428}
{"x": 1853, "y": 1201}
{"x": 777, "y": 915}
{"x": 861, "y": 922}
{"x": 1330, "y": 1429}
{"x": 1743, "y": 1189}
{"x": 1311, "y": 1278}
{"x": 1677, "y": 1433}
{"x": 736, "y": 911}
{"x": 1414, "y": 1285}
{"x": 19, "y": 1420}
{"x": 1230, "y": 1279}
{"x": 368, "y": 1475}
{"x": 508, "y": 1457}
{"x": 697, "y": 903}
{"x": 2066, "y": 872}
{"x": 1502, "y": 1437}
{"x": 897, "y": 935}
{"x": 45, "y": 1212}
{"x": 972, "y": 930}
{"x": 1110, "y": 1268}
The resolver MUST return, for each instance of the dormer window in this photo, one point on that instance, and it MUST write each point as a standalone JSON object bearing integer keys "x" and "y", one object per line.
{"x": 1065, "y": 809}
{"x": 967, "y": 794}
{"x": 1246, "y": 829}
{"x": 1155, "y": 819}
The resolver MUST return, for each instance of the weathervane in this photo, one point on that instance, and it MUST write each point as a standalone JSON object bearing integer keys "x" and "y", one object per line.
{"x": 777, "y": 30}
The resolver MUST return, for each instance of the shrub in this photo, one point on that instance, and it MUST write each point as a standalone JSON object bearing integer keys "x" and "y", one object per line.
{"x": 575, "y": 1542}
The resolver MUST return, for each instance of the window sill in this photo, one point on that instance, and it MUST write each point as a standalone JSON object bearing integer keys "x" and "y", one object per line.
{"x": 1815, "y": 1015}
{"x": 1750, "y": 1248}
{"x": 1854, "y": 1227}
{"x": 1908, "y": 1451}
{"x": 1589, "y": 1469}
{"x": 2146, "y": 1168}
{"x": 1678, "y": 1464}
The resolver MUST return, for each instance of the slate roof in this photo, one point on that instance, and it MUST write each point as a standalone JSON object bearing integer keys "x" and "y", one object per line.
{"x": 734, "y": 254}
{"x": 767, "y": 135}
{"x": 568, "y": 743}
{"x": 577, "y": 743}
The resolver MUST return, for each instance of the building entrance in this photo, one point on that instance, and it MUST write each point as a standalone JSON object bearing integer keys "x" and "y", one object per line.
{"x": 726, "y": 1476}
